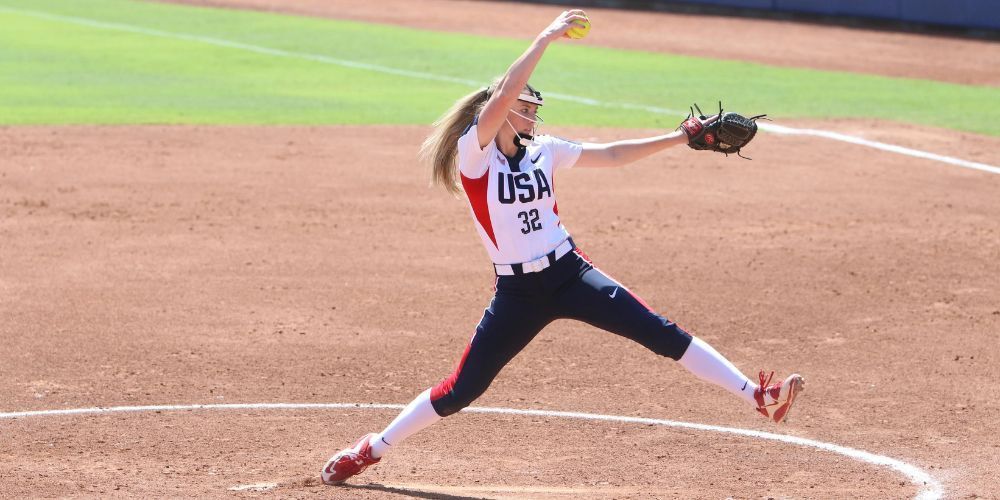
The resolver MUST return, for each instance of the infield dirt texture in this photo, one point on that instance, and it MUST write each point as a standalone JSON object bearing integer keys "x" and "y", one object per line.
{"x": 194, "y": 264}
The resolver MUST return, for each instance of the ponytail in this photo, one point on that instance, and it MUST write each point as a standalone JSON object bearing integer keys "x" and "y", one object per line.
{"x": 440, "y": 149}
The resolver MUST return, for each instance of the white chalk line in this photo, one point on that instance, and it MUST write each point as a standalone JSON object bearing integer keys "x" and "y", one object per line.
{"x": 254, "y": 487}
{"x": 502, "y": 488}
{"x": 778, "y": 129}
{"x": 892, "y": 148}
{"x": 928, "y": 487}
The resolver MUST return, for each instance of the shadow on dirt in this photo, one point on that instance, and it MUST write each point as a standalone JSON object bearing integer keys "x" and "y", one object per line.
{"x": 409, "y": 492}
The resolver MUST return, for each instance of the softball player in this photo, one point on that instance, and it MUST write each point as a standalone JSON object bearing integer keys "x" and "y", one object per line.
{"x": 508, "y": 173}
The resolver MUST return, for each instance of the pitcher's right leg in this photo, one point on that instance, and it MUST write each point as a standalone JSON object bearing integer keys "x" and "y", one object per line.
{"x": 508, "y": 325}
{"x": 506, "y": 328}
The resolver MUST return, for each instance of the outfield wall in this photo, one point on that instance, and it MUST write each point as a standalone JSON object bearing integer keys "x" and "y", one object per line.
{"x": 969, "y": 14}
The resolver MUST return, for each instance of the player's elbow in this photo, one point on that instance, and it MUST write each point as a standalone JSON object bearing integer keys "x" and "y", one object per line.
{"x": 612, "y": 155}
{"x": 507, "y": 92}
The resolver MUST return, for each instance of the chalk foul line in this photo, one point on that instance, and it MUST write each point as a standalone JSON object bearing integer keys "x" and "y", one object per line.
{"x": 928, "y": 487}
{"x": 892, "y": 148}
{"x": 220, "y": 42}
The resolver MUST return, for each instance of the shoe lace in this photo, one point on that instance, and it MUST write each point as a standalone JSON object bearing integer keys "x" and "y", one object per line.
{"x": 764, "y": 381}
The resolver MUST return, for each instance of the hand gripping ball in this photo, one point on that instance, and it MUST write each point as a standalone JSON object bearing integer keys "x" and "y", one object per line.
{"x": 580, "y": 29}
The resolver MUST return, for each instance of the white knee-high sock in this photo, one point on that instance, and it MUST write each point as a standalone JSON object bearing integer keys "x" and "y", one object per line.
{"x": 417, "y": 415}
{"x": 707, "y": 364}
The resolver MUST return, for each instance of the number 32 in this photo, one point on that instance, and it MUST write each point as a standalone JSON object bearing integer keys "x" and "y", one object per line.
{"x": 530, "y": 220}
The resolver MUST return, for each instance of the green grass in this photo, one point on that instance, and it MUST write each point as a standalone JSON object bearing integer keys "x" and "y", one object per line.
{"x": 57, "y": 72}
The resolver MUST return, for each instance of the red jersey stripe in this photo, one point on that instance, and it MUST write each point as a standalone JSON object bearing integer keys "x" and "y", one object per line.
{"x": 476, "y": 190}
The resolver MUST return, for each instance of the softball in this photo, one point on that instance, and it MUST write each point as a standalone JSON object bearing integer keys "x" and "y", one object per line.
{"x": 580, "y": 30}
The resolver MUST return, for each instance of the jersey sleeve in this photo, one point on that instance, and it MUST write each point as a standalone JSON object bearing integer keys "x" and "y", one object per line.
{"x": 473, "y": 161}
{"x": 564, "y": 153}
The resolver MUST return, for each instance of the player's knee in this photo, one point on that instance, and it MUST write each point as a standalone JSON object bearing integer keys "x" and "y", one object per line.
{"x": 669, "y": 340}
{"x": 457, "y": 398}
{"x": 678, "y": 340}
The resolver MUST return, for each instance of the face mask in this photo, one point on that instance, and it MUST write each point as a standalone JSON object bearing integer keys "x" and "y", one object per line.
{"x": 523, "y": 141}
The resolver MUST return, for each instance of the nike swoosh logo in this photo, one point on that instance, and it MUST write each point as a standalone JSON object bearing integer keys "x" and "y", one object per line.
{"x": 536, "y": 158}
{"x": 614, "y": 293}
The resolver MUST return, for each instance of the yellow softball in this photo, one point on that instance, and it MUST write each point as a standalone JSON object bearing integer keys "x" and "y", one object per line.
{"x": 580, "y": 30}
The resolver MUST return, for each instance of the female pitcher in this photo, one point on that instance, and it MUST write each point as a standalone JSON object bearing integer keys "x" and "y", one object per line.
{"x": 506, "y": 173}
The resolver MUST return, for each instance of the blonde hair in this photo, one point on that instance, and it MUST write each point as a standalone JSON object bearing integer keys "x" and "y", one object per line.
{"x": 440, "y": 149}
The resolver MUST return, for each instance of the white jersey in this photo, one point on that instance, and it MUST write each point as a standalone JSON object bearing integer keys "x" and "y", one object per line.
{"x": 513, "y": 201}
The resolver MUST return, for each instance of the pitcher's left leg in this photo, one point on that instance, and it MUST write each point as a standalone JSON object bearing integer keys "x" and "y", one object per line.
{"x": 603, "y": 302}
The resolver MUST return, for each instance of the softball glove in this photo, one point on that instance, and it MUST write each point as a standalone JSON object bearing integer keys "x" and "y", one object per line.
{"x": 725, "y": 133}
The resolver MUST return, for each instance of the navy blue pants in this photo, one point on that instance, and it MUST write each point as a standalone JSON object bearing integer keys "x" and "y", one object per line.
{"x": 571, "y": 288}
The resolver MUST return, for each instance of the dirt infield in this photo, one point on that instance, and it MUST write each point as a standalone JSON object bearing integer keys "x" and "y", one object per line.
{"x": 191, "y": 265}
{"x": 187, "y": 265}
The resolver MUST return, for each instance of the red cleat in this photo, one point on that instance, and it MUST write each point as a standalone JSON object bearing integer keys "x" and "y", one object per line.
{"x": 775, "y": 401}
{"x": 349, "y": 462}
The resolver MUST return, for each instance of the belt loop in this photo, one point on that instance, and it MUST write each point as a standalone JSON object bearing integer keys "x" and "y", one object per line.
{"x": 552, "y": 257}
{"x": 518, "y": 269}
